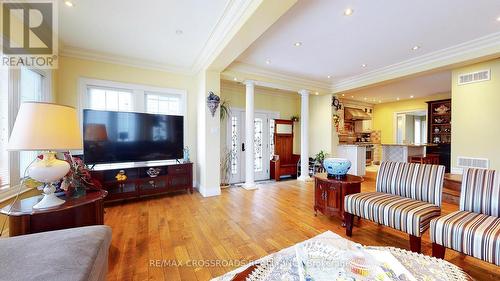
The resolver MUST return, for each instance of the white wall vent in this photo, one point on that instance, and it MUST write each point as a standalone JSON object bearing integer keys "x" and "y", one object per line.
{"x": 473, "y": 77}
{"x": 470, "y": 162}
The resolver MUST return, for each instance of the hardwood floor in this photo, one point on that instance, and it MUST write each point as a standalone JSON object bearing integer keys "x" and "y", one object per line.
{"x": 238, "y": 225}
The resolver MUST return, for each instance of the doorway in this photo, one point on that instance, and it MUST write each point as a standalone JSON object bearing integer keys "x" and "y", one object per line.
{"x": 263, "y": 143}
{"x": 410, "y": 127}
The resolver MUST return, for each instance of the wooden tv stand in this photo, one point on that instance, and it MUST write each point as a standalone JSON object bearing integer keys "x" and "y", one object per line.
{"x": 145, "y": 180}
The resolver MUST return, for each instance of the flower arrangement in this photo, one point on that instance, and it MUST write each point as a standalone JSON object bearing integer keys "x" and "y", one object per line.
{"x": 78, "y": 179}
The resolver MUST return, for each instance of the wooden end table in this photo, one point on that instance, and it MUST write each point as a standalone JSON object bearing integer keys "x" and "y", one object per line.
{"x": 329, "y": 194}
{"x": 75, "y": 212}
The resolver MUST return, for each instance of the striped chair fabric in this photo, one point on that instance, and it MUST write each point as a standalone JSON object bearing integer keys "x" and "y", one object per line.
{"x": 407, "y": 197}
{"x": 421, "y": 182}
{"x": 474, "y": 229}
{"x": 401, "y": 213}
{"x": 484, "y": 183}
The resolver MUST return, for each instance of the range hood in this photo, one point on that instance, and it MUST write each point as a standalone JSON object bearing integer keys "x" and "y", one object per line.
{"x": 355, "y": 114}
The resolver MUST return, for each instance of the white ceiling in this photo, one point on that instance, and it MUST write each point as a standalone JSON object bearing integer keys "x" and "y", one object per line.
{"x": 141, "y": 30}
{"x": 417, "y": 87}
{"x": 378, "y": 34}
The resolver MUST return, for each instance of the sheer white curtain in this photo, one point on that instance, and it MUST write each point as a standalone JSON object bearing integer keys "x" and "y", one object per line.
{"x": 31, "y": 89}
{"x": 4, "y": 127}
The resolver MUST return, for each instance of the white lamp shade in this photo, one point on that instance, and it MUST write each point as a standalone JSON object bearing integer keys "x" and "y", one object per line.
{"x": 45, "y": 126}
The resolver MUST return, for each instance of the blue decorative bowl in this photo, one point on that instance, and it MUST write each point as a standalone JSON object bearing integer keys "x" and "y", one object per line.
{"x": 337, "y": 167}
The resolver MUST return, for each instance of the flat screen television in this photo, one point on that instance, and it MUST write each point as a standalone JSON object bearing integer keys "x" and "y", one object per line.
{"x": 115, "y": 137}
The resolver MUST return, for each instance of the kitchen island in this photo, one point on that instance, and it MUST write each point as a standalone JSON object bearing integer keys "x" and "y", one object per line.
{"x": 356, "y": 153}
{"x": 401, "y": 152}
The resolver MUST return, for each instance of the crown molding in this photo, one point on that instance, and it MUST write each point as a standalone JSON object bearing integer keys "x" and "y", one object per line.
{"x": 78, "y": 53}
{"x": 272, "y": 79}
{"x": 233, "y": 13}
{"x": 483, "y": 47}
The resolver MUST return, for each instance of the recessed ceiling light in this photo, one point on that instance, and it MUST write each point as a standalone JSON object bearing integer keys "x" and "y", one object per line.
{"x": 297, "y": 44}
{"x": 235, "y": 79}
{"x": 352, "y": 96}
{"x": 415, "y": 48}
{"x": 397, "y": 98}
{"x": 366, "y": 98}
{"x": 364, "y": 65}
{"x": 316, "y": 93}
{"x": 343, "y": 95}
{"x": 329, "y": 76}
{"x": 379, "y": 101}
{"x": 69, "y": 3}
{"x": 411, "y": 97}
{"x": 268, "y": 61}
{"x": 498, "y": 19}
{"x": 179, "y": 32}
{"x": 348, "y": 12}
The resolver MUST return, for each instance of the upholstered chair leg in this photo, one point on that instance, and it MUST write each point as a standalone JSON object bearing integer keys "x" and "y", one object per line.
{"x": 438, "y": 251}
{"x": 415, "y": 244}
{"x": 349, "y": 222}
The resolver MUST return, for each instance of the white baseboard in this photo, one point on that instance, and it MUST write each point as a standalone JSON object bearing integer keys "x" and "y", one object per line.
{"x": 209, "y": 192}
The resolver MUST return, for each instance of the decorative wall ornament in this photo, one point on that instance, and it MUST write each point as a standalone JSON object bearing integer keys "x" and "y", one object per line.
{"x": 213, "y": 102}
{"x": 336, "y": 103}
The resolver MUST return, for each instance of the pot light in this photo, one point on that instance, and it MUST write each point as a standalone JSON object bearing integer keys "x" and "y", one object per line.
{"x": 179, "y": 32}
{"x": 352, "y": 97}
{"x": 348, "y": 12}
{"x": 343, "y": 95}
{"x": 415, "y": 48}
{"x": 411, "y": 97}
{"x": 379, "y": 101}
{"x": 364, "y": 65}
{"x": 235, "y": 79}
{"x": 69, "y": 3}
{"x": 397, "y": 98}
{"x": 268, "y": 61}
{"x": 316, "y": 93}
{"x": 366, "y": 98}
{"x": 297, "y": 44}
{"x": 329, "y": 76}
{"x": 498, "y": 19}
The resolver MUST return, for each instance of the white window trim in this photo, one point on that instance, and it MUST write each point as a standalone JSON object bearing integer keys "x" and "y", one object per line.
{"x": 14, "y": 91}
{"x": 138, "y": 95}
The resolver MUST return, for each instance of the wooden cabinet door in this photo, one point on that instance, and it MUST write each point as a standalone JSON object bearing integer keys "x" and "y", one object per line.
{"x": 333, "y": 196}
{"x": 320, "y": 190}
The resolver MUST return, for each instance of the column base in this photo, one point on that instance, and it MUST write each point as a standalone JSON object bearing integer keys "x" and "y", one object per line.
{"x": 304, "y": 178}
{"x": 250, "y": 186}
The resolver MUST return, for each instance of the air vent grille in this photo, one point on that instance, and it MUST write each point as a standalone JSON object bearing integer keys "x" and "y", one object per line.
{"x": 470, "y": 162}
{"x": 473, "y": 77}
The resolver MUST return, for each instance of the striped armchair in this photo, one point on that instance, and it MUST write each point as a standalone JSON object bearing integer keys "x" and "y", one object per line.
{"x": 475, "y": 229}
{"x": 407, "y": 197}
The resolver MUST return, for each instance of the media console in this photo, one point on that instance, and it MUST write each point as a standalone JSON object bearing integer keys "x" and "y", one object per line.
{"x": 151, "y": 179}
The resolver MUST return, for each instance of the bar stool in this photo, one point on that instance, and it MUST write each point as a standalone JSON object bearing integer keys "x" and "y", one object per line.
{"x": 430, "y": 158}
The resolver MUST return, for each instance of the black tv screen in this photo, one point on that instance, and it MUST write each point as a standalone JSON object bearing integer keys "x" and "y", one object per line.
{"x": 113, "y": 137}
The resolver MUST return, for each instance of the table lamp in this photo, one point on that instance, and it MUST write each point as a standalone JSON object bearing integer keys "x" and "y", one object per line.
{"x": 48, "y": 128}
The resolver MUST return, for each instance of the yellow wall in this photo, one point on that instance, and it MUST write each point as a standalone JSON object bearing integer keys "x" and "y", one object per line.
{"x": 475, "y": 115}
{"x": 323, "y": 135}
{"x": 286, "y": 103}
{"x": 71, "y": 69}
{"x": 383, "y": 114}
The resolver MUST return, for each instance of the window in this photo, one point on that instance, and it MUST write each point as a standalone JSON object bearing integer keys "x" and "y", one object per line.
{"x": 109, "y": 99}
{"x": 18, "y": 86}
{"x": 163, "y": 104}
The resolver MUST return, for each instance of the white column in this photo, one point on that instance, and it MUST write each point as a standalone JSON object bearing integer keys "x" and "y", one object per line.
{"x": 304, "y": 135}
{"x": 249, "y": 136}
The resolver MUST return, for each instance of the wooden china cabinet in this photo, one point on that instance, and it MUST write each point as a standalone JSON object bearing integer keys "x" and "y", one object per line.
{"x": 439, "y": 130}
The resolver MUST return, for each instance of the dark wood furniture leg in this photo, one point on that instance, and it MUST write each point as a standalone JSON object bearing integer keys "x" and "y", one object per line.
{"x": 349, "y": 222}
{"x": 415, "y": 244}
{"x": 438, "y": 251}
